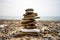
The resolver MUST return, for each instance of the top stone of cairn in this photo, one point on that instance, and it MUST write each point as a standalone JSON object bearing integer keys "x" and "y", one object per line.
{"x": 29, "y": 9}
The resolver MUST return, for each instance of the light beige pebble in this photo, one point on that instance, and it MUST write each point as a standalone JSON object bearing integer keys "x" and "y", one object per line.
{"x": 17, "y": 22}
{"x": 15, "y": 39}
{"x": 14, "y": 21}
{"x": 35, "y": 38}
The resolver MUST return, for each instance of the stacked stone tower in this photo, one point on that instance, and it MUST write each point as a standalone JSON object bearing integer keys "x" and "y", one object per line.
{"x": 29, "y": 19}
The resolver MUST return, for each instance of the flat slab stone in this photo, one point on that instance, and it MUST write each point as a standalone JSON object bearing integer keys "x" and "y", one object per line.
{"x": 30, "y": 30}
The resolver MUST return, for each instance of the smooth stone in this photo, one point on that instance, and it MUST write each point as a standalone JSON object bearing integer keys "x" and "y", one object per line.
{"x": 49, "y": 38}
{"x": 3, "y": 25}
{"x": 58, "y": 34}
{"x": 30, "y": 30}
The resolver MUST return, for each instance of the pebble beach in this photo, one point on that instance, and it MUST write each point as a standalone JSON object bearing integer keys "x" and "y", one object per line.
{"x": 52, "y": 31}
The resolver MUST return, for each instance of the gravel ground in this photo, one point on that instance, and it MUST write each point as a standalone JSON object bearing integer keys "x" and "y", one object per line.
{"x": 50, "y": 30}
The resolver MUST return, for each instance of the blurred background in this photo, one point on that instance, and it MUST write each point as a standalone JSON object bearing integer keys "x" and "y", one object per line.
{"x": 14, "y": 9}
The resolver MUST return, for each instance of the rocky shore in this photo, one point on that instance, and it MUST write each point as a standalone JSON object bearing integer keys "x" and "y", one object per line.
{"x": 50, "y": 30}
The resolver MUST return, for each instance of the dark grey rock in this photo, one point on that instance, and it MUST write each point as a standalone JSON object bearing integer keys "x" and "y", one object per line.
{"x": 58, "y": 34}
{"x": 48, "y": 38}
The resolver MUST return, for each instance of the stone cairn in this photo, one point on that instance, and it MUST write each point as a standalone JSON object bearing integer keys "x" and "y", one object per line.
{"x": 29, "y": 19}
